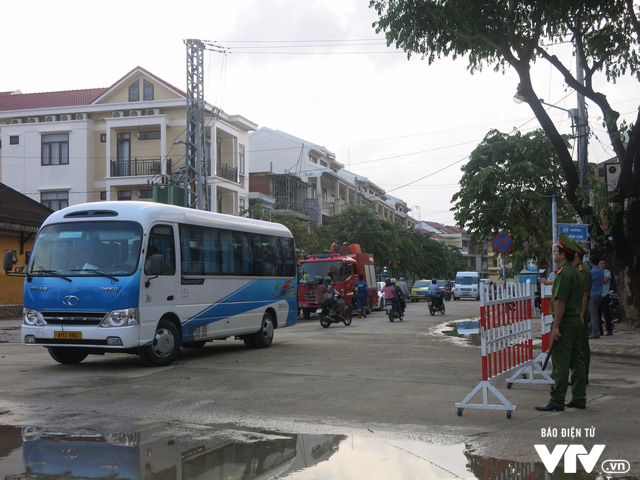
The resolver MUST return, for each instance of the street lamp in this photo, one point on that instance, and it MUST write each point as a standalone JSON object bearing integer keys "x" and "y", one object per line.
{"x": 573, "y": 112}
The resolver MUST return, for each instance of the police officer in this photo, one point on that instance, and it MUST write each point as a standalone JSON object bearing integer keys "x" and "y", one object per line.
{"x": 566, "y": 307}
{"x": 585, "y": 274}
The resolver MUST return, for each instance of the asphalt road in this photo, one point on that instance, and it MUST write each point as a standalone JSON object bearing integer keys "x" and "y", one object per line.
{"x": 374, "y": 378}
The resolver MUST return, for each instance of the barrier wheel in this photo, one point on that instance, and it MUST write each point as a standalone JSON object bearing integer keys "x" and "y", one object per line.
{"x": 460, "y": 412}
{"x": 509, "y": 385}
{"x": 508, "y": 413}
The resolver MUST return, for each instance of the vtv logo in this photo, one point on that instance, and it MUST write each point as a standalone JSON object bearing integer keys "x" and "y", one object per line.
{"x": 571, "y": 454}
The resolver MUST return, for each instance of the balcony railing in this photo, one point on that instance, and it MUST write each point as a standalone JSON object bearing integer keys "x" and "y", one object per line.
{"x": 138, "y": 167}
{"x": 227, "y": 172}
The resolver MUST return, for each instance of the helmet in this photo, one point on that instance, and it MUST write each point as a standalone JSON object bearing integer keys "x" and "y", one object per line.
{"x": 327, "y": 280}
{"x": 387, "y": 281}
{"x": 318, "y": 279}
{"x": 401, "y": 278}
{"x": 393, "y": 280}
{"x": 434, "y": 281}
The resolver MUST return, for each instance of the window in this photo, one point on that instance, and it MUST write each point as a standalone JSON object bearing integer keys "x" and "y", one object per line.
{"x": 123, "y": 164}
{"x": 124, "y": 195}
{"x": 152, "y": 135}
{"x": 103, "y": 195}
{"x": 161, "y": 241}
{"x": 14, "y": 140}
{"x": 55, "y": 149}
{"x": 148, "y": 90}
{"x": 313, "y": 159}
{"x": 146, "y": 193}
{"x": 323, "y": 163}
{"x": 212, "y": 251}
{"x": 55, "y": 200}
{"x": 134, "y": 92}
{"x": 241, "y": 157}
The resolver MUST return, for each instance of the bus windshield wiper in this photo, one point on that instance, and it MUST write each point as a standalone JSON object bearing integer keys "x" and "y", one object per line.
{"x": 52, "y": 272}
{"x": 96, "y": 270}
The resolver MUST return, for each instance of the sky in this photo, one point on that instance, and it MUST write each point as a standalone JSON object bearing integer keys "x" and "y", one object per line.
{"x": 315, "y": 69}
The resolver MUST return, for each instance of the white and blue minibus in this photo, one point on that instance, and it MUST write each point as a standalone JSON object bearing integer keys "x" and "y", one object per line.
{"x": 150, "y": 278}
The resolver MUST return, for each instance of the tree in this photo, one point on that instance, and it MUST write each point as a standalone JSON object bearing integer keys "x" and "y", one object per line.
{"x": 508, "y": 186}
{"x": 495, "y": 33}
{"x": 308, "y": 238}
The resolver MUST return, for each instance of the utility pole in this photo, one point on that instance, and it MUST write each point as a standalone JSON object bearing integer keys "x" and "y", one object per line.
{"x": 196, "y": 172}
{"x": 582, "y": 124}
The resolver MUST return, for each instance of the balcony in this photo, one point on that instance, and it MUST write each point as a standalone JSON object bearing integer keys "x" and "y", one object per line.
{"x": 227, "y": 172}
{"x": 138, "y": 167}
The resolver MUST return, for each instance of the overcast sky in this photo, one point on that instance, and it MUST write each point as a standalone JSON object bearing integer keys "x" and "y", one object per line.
{"x": 312, "y": 68}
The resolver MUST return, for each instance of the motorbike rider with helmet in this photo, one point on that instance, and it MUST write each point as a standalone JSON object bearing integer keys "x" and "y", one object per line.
{"x": 402, "y": 304}
{"x": 325, "y": 296}
{"x": 390, "y": 294}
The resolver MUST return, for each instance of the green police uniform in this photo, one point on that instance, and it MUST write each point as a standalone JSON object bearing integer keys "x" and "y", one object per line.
{"x": 585, "y": 274}
{"x": 567, "y": 355}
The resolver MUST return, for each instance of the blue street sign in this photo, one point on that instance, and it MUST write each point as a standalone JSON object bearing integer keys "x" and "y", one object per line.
{"x": 578, "y": 231}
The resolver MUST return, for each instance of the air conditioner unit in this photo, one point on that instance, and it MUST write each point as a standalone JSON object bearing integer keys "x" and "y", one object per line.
{"x": 33, "y": 120}
{"x": 135, "y": 113}
{"x": 82, "y": 116}
{"x": 118, "y": 114}
{"x": 50, "y": 118}
{"x": 65, "y": 117}
{"x": 611, "y": 175}
{"x": 15, "y": 121}
{"x": 152, "y": 111}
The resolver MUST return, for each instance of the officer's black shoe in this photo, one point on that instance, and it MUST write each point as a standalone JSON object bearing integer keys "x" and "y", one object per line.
{"x": 574, "y": 405}
{"x": 549, "y": 407}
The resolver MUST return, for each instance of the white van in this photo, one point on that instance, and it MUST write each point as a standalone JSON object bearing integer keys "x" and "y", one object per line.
{"x": 467, "y": 286}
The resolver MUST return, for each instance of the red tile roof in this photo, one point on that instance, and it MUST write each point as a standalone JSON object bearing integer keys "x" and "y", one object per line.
{"x": 25, "y": 101}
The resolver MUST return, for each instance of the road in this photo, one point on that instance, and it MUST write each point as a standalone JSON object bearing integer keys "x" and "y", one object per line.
{"x": 374, "y": 377}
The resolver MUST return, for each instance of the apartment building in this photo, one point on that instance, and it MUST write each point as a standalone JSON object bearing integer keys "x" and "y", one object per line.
{"x": 301, "y": 177}
{"x": 122, "y": 142}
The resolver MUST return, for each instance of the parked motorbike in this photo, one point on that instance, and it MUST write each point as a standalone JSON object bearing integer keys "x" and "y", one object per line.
{"x": 393, "y": 312}
{"x": 614, "y": 306}
{"x": 326, "y": 319}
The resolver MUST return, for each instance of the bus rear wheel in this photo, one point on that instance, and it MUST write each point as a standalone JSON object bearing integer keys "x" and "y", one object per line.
{"x": 165, "y": 346}
{"x": 67, "y": 356}
{"x": 263, "y": 337}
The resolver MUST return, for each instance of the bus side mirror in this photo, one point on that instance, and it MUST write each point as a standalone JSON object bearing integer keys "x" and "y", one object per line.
{"x": 9, "y": 260}
{"x": 156, "y": 265}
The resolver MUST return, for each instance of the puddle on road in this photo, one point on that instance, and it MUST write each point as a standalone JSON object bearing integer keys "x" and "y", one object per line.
{"x": 213, "y": 453}
{"x": 462, "y": 332}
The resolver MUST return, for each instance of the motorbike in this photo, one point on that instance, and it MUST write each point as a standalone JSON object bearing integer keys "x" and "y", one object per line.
{"x": 393, "y": 312}
{"x": 435, "y": 302}
{"x": 326, "y": 319}
{"x": 447, "y": 293}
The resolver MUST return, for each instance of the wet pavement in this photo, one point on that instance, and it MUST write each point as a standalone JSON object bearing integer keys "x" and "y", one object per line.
{"x": 165, "y": 452}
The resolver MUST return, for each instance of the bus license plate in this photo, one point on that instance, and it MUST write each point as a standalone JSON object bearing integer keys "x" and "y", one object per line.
{"x": 68, "y": 335}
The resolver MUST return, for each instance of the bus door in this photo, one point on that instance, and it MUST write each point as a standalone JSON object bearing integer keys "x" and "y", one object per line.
{"x": 159, "y": 296}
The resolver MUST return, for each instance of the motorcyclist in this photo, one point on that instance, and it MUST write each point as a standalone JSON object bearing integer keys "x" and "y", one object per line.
{"x": 390, "y": 294}
{"x": 400, "y": 296}
{"x": 404, "y": 287}
{"x": 320, "y": 292}
{"x": 331, "y": 298}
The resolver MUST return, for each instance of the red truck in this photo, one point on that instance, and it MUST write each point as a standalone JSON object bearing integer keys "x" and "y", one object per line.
{"x": 342, "y": 264}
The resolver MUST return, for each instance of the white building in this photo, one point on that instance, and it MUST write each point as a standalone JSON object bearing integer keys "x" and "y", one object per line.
{"x": 277, "y": 156}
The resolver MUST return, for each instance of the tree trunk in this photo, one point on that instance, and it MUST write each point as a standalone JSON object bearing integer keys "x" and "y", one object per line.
{"x": 627, "y": 276}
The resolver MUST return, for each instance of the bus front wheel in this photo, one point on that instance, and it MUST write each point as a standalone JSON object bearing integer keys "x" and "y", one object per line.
{"x": 263, "y": 337}
{"x": 67, "y": 356}
{"x": 165, "y": 346}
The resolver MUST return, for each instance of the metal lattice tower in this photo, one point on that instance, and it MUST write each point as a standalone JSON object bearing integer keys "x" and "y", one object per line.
{"x": 195, "y": 182}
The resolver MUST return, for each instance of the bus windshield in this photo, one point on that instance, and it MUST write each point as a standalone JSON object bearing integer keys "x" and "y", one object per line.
{"x": 86, "y": 249}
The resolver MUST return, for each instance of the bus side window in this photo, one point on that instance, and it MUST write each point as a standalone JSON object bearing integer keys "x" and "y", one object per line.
{"x": 161, "y": 241}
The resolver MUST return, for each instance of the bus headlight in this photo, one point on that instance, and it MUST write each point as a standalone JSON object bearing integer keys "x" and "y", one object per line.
{"x": 121, "y": 318}
{"x": 32, "y": 318}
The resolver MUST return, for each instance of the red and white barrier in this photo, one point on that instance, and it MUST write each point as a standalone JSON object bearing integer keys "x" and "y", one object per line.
{"x": 532, "y": 372}
{"x": 506, "y": 341}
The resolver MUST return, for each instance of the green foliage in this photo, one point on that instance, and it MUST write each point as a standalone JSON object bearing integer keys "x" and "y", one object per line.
{"x": 309, "y": 238}
{"x": 406, "y": 252}
{"x": 508, "y": 186}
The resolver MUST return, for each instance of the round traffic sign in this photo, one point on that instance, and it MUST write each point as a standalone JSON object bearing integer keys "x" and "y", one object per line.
{"x": 502, "y": 243}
